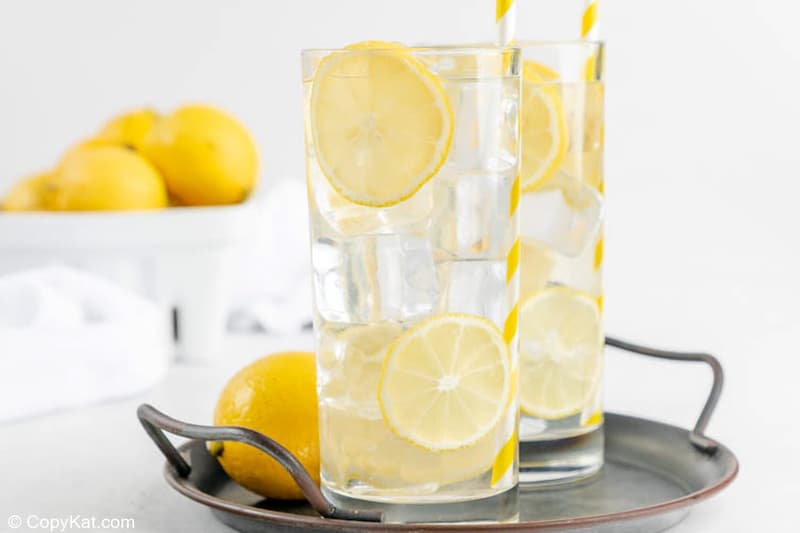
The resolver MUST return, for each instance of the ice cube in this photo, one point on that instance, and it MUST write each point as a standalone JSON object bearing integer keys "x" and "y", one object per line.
{"x": 467, "y": 224}
{"x": 476, "y": 288}
{"x": 406, "y": 276}
{"x": 337, "y": 216}
{"x": 581, "y": 272}
{"x": 566, "y": 215}
{"x": 330, "y": 267}
{"x": 484, "y": 134}
{"x": 374, "y": 278}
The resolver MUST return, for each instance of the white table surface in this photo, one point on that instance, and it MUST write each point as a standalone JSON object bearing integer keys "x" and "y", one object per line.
{"x": 98, "y": 461}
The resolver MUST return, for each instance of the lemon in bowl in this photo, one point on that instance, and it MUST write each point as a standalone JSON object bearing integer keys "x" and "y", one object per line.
{"x": 204, "y": 154}
{"x": 129, "y": 129}
{"x": 96, "y": 177}
{"x": 28, "y": 194}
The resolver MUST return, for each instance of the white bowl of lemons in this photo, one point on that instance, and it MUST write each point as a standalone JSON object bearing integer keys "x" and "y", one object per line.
{"x": 155, "y": 202}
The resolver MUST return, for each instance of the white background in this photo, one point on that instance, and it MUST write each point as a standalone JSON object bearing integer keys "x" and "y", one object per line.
{"x": 703, "y": 169}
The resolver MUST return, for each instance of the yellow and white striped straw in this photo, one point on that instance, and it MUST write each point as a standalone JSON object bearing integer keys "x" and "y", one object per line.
{"x": 589, "y": 28}
{"x": 505, "y": 18}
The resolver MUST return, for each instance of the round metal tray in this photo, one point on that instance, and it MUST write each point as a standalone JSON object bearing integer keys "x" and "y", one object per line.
{"x": 653, "y": 473}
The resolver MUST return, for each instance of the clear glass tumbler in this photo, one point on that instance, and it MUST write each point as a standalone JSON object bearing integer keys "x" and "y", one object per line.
{"x": 561, "y": 297}
{"x": 412, "y": 163}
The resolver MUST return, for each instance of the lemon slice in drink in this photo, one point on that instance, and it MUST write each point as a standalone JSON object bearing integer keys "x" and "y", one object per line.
{"x": 381, "y": 123}
{"x": 541, "y": 73}
{"x": 594, "y": 136}
{"x": 561, "y": 352}
{"x": 445, "y": 382}
{"x": 543, "y": 127}
{"x": 587, "y": 101}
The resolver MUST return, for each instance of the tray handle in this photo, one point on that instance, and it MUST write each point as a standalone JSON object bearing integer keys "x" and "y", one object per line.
{"x": 155, "y": 423}
{"x": 697, "y": 435}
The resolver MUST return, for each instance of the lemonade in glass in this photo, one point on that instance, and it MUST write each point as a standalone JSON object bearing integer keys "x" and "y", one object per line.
{"x": 561, "y": 297}
{"x": 412, "y": 167}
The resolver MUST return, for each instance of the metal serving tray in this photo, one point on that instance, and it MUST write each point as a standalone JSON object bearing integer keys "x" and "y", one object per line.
{"x": 653, "y": 474}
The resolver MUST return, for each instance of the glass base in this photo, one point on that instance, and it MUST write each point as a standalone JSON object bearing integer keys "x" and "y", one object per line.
{"x": 561, "y": 460}
{"x": 500, "y": 507}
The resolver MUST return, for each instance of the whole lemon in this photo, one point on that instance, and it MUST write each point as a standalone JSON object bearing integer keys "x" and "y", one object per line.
{"x": 28, "y": 194}
{"x": 276, "y": 396}
{"x": 129, "y": 129}
{"x": 205, "y": 155}
{"x": 91, "y": 142}
{"x": 106, "y": 178}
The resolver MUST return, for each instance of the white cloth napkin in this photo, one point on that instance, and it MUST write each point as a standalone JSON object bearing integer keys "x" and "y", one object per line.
{"x": 273, "y": 277}
{"x": 70, "y": 339}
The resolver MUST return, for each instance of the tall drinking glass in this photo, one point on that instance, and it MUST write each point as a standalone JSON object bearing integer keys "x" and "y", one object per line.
{"x": 561, "y": 297}
{"x": 412, "y": 160}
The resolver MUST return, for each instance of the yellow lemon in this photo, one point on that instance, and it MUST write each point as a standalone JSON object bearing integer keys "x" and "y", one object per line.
{"x": 91, "y": 142}
{"x": 381, "y": 123}
{"x": 205, "y": 155}
{"x": 129, "y": 129}
{"x": 445, "y": 382}
{"x": 28, "y": 194}
{"x": 542, "y": 73}
{"x": 561, "y": 352}
{"x": 276, "y": 396}
{"x": 543, "y": 127}
{"x": 585, "y": 102}
{"x": 106, "y": 178}
{"x": 594, "y": 136}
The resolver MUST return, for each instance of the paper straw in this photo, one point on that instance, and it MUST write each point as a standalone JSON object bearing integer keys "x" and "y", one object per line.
{"x": 505, "y": 17}
{"x": 589, "y": 30}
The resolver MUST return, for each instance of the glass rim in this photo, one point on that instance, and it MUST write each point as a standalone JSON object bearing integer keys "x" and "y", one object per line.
{"x": 477, "y": 48}
{"x": 572, "y": 43}
{"x": 468, "y": 47}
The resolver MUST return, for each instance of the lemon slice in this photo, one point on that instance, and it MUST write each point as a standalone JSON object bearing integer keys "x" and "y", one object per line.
{"x": 561, "y": 352}
{"x": 543, "y": 126}
{"x": 541, "y": 72}
{"x": 586, "y": 99}
{"x": 594, "y": 136}
{"x": 381, "y": 123}
{"x": 445, "y": 382}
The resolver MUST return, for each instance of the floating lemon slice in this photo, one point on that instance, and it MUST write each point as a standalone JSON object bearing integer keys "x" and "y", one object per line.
{"x": 585, "y": 100}
{"x": 594, "y": 136}
{"x": 445, "y": 382}
{"x": 381, "y": 123}
{"x": 543, "y": 126}
{"x": 561, "y": 352}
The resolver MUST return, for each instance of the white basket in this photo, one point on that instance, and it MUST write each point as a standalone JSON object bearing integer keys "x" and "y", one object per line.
{"x": 180, "y": 258}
